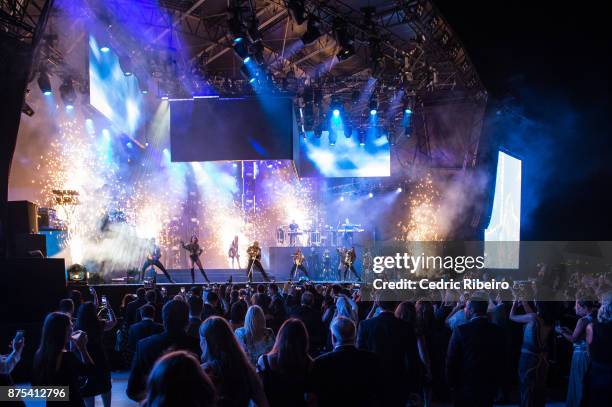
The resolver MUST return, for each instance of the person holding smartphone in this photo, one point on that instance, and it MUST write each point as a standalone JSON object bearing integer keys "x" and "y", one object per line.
{"x": 8, "y": 362}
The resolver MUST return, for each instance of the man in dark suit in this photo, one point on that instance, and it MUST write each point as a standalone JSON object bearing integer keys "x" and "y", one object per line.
{"x": 346, "y": 376}
{"x": 394, "y": 341}
{"x": 277, "y": 311}
{"x": 312, "y": 320}
{"x": 143, "y": 329}
{"x": 212, "y": 306}
{"x": 196, "y": 304}
{"x": 473, "y": 360}
{"x": 131, "y": 311}
{"x": 175, "y": 315}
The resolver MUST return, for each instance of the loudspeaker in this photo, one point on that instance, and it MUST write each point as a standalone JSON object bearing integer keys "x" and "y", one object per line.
{"x": 27, "y": 244}
{"x": 23, "y": 217}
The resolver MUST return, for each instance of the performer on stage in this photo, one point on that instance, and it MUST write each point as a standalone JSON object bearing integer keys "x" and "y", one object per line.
{"x": 298, "y": 263}
{"x": 254, "y": 252}
{"x": 153, "y": 260}
{"x": 233, "y": 252}
{"x": 194, "y": 256}
{"x": 293, "y": 232}
{"x": 327, "y": 264}
{"x": 347, "y": 259}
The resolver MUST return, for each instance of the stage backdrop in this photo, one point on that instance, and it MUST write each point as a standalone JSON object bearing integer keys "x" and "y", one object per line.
{"x": 218, "y": 129}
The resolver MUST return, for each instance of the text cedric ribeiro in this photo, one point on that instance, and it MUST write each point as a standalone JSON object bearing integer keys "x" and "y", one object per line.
{"x": 459, "y": 264}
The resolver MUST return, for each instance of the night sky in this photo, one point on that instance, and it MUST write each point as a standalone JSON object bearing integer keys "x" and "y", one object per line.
{"x": 548, "y": 61}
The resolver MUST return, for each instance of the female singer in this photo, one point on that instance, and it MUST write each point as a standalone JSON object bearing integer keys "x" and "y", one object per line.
{"x": 194, "y": 256}
{"x": 233, "y": 252}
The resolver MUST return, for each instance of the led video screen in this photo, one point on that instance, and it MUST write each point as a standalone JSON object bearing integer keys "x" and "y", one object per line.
{"x": 339, "y": 156}
{"x": 111, "y": 92}
{"x": 219, "y": 129}
{"x": 505, "y": 223}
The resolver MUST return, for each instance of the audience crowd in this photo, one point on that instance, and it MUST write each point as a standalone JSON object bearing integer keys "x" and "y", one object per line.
{"x": 323, "y": 345}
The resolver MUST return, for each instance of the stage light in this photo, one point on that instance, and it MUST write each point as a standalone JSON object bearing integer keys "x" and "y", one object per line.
{"x": 362, "y": 137}
{"x": 246, "y": 60}
{"x": 343, "y": 39}
{"x": 104, "y": 48}
{"x": 399, "y": 190}
{"x": 129, "y": 144}
{"x": 348, "y": 130}
{"x": 312, "y": 31}
{"x": 238, "y": 39}
{"x": 235, "y": 165}
{"x": 342, "y": 198}
{"x": 373, "y": 112}
{"x": 407, "y": 111}
{"x": 44, "y": 83}
{"x": 336, "y": 112}
{"x": 370, "y": 195}
{"x": 251, "y": 80}
{"x": 68, "y": 93}
{"x": 125, "y": 62}
{"x": 269, "y": 165}
{"x": 373, "y": 105}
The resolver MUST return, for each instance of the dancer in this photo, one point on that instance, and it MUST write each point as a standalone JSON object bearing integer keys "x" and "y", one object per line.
{"x": 327, "y": 265}
{"x": 254, "y": 252}
{"x": 347, "y": 259}
{"x": 195, "y": 251}
{"x": 298, "y": 263}
{"x": 154, "y": 254}
{"x": 233, "y": 252}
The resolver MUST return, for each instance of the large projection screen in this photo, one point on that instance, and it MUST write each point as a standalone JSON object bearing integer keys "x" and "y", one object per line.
{"x": 219, "y": 129}
{"x": 504, "y": 231}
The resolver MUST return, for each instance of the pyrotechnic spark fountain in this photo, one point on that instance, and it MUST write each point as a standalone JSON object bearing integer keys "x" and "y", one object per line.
{"x": 423, "y": 206}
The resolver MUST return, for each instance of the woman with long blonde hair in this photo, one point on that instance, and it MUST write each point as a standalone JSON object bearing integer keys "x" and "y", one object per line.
{"x": 254, "y": 337}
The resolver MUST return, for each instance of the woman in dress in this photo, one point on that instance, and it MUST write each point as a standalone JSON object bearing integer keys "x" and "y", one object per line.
{"x": 533, "y": 363}
{"x": 598, "y": 382}
{"x": 195, "y": 251}
{"x": 254, "y": 337}
{"x": 586, "y": 310}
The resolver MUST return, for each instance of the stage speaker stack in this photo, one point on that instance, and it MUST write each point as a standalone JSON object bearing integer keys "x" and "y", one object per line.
{"x": 24, "y": 240}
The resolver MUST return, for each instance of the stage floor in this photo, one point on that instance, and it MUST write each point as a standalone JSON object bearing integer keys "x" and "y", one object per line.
{"x": 219, "y": 276}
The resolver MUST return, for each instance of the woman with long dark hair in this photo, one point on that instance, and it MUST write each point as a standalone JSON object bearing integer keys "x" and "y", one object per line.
{"x": 285, "y": 369}
{"x": 533, "y": 363}
{"x": 227, "y": 365}
{"x": 177, "y": 379}
{"x": 54, "y": 365}
{"x": 98, "y": 382}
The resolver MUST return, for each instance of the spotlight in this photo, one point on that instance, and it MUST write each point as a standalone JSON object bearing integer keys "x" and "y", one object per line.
{"x": 370, "y": 195}
{"x": 343, "y": 39}
{"x": 342, "y": 198}
{"x": 336, "y": 112}
{"x": 348, "y": 130}
{"x": 237, "y": 40}
{"x": 246, "y": 60}
{"x": 67, "y": 93}
{"x": 252, "y": 80}
{"x": 312, "y": 31}
{"x": 104, "y": 48}
{"x": 399, "y": 189}
{"x": 362, "y": 137}
{"x": 125, "y": 62}
{"x": 407, "y": 111}
{"x": 44, "y": 83}
{"x": 373, "y": 105}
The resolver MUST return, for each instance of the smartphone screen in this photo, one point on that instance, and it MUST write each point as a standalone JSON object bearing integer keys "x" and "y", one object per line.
{"x": 183, "y": 290}
{"x": 104, "y": 301}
